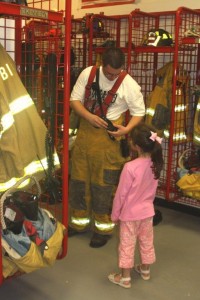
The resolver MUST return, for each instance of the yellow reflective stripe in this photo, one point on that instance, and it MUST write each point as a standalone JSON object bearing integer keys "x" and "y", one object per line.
{"x": 150, "y": 111}
{"x": 15, "y": 106}
{"x": 33, "y": 168}
{"x": 198, "y": 106}
{"x": 80, "y": 221}
{"x": 39, "y": 165}
{"x": 36, "y": 166}
{"x": 103, "y": 226}
{"x": 56, "y": 159}
{"x": 164, "y": 36}
{"x": 197, "y": 138}
{"x": 74, "y": 131}
{"x": 7, "y": 185}
{"x": 177, "y": 136}
{"x": 20, "y": 104}
{"x": 180, "y": 136}
{"x": 7, "y": 121}
{"x": 166, "y": 133}
{"x": 179, "y": 108}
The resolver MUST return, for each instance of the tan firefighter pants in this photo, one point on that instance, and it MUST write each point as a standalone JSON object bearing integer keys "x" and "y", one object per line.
{"x": 96, "y": 166}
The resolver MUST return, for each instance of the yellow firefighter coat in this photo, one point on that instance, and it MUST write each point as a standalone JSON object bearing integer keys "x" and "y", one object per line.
{"x": 158, "y": 108}
{"x": 22, "y": 131}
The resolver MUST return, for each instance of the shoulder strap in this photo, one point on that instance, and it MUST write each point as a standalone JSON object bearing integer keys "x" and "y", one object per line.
{"x": 90, "y": 81}
{"x": 117, "y": 83}
{"x": 108, "y": 99}
{"x": 113, "y": 91}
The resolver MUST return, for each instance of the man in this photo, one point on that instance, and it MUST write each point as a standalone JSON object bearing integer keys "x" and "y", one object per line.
{"x": 96, "y": 156}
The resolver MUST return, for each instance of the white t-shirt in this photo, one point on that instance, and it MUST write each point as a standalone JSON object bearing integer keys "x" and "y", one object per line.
{"x": 128, "y": 95}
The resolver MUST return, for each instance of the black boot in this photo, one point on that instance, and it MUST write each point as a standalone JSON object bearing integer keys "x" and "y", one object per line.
{"x": 72, "y": 232}
{"x": 99, "y": 240}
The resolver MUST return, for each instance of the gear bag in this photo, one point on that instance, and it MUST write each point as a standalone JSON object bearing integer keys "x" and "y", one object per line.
{"x": 189, "y": 173}
{"x": 27, "y": 245}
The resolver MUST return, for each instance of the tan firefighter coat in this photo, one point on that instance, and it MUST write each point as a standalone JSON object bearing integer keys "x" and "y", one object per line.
{"x": 22, "y": 131}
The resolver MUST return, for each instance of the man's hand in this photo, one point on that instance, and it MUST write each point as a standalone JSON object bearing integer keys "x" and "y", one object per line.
{"x": 121, "y": 131}
{"x": 96, "y": 121}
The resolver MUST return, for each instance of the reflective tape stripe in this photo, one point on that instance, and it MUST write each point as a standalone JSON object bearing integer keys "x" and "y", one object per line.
{"x": 179, "y": 108}
{"x": 7, "y": 121}
{"x": 164, "y": 36}
{"x": 74, "y": 131}
{"x": 103, "y": 226}
{"x": 176, "y": 137}
{"x": 32, "y": 169}
{"x": 80, "y": 221}
{"x": 197, "y": 138}
{"x": 20, "y": 104}
{"x": 15, "y": 106}
{"x": 150, "y": 111}
{"x": 7, "y": 185}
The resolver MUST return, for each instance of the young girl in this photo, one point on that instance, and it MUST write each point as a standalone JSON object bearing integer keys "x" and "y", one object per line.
{"x": 133, "y": 205}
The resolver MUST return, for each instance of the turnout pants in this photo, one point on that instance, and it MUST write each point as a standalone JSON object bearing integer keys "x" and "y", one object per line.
{"x": 95, "y": 170}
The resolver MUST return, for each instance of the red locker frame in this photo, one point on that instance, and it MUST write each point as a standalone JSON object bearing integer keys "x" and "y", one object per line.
{"x": 143, "y": 61}
{"x": 96, "y": 41}
{"x": 44, "y": 29}
{"x": 79, "y": 45}
{"x": 89, "y": 45}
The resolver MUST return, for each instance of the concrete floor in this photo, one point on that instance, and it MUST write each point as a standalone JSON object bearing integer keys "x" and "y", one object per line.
{"x": 82, "y": 274}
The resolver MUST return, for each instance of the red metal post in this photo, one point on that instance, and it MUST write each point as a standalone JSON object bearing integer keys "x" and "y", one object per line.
{"x": 66, "y": 117}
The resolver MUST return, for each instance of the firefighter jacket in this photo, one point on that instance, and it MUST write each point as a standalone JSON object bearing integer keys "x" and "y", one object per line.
{"x": 22, "y": 131}
{"x": 196, "y": 134}
{"x": 158, "y": 108}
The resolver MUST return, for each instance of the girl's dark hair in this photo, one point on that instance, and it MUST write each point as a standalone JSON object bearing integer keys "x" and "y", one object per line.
{"x": 140, "y": 136}
{"x": 113, "y": 57}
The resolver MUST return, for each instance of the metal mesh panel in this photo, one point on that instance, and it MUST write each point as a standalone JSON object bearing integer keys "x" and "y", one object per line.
{"x": 29, "y": 41}
{"x": 143, "y": 63}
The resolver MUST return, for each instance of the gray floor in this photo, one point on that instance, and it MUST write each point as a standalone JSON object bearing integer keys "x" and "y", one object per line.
{"x": 82, "y": 274}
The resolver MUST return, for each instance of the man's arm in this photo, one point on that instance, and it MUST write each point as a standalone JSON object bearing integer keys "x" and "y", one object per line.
{"x": 133, "y": 122}
{"x": 123, "y": 130}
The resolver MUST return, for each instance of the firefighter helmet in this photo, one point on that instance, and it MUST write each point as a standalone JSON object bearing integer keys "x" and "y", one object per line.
{"x": 27, "y": 203}
{"x": 157, "y": 37}
{"x": 13, "y": 216}
{"x": 97, "y": 25}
